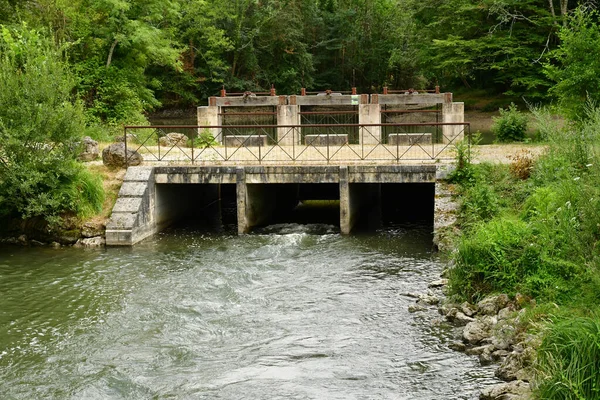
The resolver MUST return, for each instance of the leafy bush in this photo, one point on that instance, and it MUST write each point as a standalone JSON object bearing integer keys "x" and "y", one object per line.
{"x": 511, "y": 125}
{"x": 40, "y": 130}
{"x": 464, "y": 155}
{"x": 569, "y": 361}
{"x": 204, "y": 140}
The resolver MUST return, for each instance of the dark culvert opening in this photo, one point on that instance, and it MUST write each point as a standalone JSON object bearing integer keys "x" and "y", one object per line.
{"x": 294, "y": 204}
{"x": 205, "y": 207}
{"x": 408, "y": 203}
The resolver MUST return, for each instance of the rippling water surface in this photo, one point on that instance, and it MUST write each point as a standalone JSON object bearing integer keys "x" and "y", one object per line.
{"x": 290, "y": 312}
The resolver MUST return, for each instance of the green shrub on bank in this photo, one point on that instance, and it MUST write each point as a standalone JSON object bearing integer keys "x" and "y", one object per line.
{"x": 539, "y": 236}
{"x": 511, "y": 125}
{"x": 40, "y": 132}
{"x": 569, "y": 361}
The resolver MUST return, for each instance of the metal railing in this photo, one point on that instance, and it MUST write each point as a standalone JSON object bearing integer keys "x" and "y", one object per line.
{"x": 277, "y": 144}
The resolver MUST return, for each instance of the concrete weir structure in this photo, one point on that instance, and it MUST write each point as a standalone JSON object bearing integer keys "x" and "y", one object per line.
{"x": 369, "y": 112}
{"x": 153, "y": 197}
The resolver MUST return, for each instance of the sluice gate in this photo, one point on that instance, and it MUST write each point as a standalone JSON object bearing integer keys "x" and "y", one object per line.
{"x": 154, "y": 197}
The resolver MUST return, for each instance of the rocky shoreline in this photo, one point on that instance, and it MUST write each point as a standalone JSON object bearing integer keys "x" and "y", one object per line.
{"x": 490, "y": 329}
{"x": 36, "y": 233}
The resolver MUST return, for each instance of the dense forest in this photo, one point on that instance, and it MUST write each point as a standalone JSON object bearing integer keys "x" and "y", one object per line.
{"x": 130, "y": 57}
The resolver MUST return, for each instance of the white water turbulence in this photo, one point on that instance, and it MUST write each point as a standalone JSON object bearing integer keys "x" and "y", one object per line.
{"x": 289, "y": 312}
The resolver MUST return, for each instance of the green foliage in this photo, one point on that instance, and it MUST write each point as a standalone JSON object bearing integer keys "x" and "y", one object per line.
{"x": 511, "y": 125}
{"x": 575, "y": 67}
{"x": 539, "y": 236}
{"x": 569, "y": 360}
{"x": 40, "y": 128}
{"x": 205, "y": 139}
{"x": 464, "y": 155}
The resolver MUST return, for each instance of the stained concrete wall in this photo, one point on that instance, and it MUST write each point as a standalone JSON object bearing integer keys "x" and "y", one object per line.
{"x": 369, "y": 112}
{"x": 452, "y": 113}
{"x": 133, "y": 217}
{"x": 210, "y": 115}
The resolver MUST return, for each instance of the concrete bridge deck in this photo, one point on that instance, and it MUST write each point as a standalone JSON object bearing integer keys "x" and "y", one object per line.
{"x": 152, "y": 197}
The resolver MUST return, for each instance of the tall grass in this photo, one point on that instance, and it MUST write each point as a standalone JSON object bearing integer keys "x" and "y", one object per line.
{"x": 539, "y": 236}
{"x": 569, "y": 361}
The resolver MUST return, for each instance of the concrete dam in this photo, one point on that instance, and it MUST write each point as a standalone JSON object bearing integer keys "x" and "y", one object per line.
{"x": 154, "y": 197}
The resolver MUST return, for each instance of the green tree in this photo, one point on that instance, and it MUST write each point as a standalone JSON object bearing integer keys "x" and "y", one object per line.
{"x": 40, "y": 128}
{"x": 575, "y": 67}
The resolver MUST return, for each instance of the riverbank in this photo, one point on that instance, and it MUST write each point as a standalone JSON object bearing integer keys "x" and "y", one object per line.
{"x": 529, "y": 231}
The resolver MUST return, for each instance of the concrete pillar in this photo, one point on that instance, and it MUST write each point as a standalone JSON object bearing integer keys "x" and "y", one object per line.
{"x": 288, "y": 115}
{"x": 260, "y": 204}
{"x": 209, "y": 115}
{"x": 453, "y": 112}
{"x": 369, "y": 114}
{"x": 358, "y": 201}
{"x": 242, "y": 200}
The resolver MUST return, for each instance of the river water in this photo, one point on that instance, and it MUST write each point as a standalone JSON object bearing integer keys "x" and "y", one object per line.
{"x": 289, "y": 312}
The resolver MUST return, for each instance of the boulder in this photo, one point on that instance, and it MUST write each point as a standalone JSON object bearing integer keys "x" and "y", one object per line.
{"x": 468, "y": 309}
{"x": 428, "y": 299}
{"x": 504, "y": 336}
{"x": 114, "y": 156}
{"x": 438, "y": 284}
{"x": 515, "y": 390}
{"x": 477, "y": 331}
{"x": 89, "y": 243}
{"x": 89, "y": 151}
{"x": 492, "y": 304}
{"x": 516, "y": 366}
{"x": 173, "y": 139}
{"x": 92, "y": 229}
{"x": 413, "y": 308}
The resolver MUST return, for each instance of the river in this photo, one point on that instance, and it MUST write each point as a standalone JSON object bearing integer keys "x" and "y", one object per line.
{"x": 288, "y": 312}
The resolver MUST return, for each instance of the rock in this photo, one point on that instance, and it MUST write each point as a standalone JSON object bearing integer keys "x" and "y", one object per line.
{"x": 90, "y": 149}
{"x": 475, "y": 351}
{"x": 55, "y": 245}
{"x": 492, "y": 304}
{"x": 516, "y": 390}
{"x": 500, "y": 355}
{"x": 468, "y": 309}
{"x": 505, "y": 313}
{"x": 457, "y": 346}
{"x": 446, "y": 308}
{"x": 438, "y": 284}
{"x": 114, "y": 156}
{"x": 516, "y": 365}
{"x": 69, "y": 237}
{"x": 37, "y": 243}
{"x": 413, "y": 308}
{"x": 22, "y": 239}
{"x": 89, "y": 243}
{"x": 173, "y": 139}
{"x": 92, "y": 229}
{"x": 486, "y": 358}
{"x": 476, "y": 331}
{"x": 503, "y": 337}
{"x": 429, "y": 299}
{"x": 458, "y": 317}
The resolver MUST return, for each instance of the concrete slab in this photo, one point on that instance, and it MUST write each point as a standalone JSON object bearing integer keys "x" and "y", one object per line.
{"x": 326, "y": 140}
{"x": 138, "y": 174}
{"x": 127, "y": 205}
{"x": 133, "y": 189}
